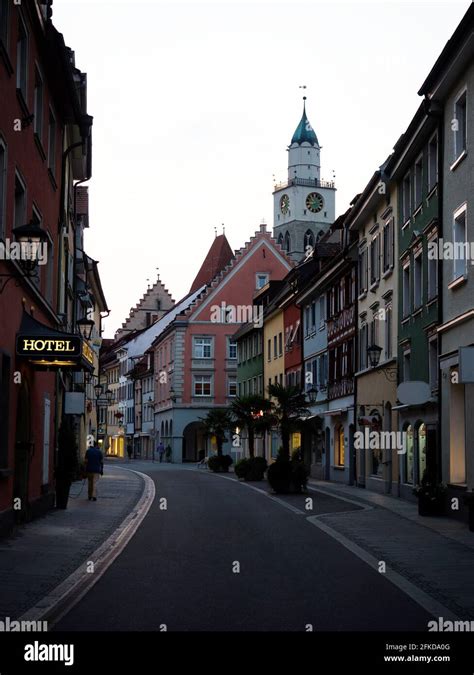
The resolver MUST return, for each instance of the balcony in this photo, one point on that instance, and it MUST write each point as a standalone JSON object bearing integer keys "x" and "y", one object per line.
{"x": 341, "y": 323}
{"x": 344, "y": 387}
{"x": 305, "y": 182}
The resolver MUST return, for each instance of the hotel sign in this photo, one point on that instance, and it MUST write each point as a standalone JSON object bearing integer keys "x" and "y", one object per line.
{"x": 49, "y": 348}
{"x": 46, "y": 351}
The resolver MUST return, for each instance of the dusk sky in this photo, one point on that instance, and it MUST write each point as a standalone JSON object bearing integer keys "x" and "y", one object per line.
{"x": 194, "y": 105}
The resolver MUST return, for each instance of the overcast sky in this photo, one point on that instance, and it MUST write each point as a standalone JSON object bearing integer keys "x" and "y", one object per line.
{"x": 194, "y": 105}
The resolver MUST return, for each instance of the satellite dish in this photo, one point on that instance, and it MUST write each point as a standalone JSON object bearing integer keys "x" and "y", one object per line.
{"x": 414, "y": 393}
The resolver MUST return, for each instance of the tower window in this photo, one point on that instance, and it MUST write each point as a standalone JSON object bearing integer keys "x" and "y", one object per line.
{"x": 287, "y": 242}
{"x": 308, "y": 239}
{"x": 280, "y": 238}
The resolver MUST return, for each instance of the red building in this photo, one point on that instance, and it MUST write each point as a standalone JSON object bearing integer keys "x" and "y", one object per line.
{"x": 196, "y": 354}
{"x": 45, "y": 146}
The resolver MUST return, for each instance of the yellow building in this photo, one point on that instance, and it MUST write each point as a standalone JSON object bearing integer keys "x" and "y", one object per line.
{"x": 273, "y": 365}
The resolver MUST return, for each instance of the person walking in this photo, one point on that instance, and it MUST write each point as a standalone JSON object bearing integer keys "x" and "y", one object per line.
{"x": 94, "y": 469}
{"x": 161, "y": 450}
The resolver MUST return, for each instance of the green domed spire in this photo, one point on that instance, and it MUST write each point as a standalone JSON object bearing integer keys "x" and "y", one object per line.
{"x": 304, "y": 131}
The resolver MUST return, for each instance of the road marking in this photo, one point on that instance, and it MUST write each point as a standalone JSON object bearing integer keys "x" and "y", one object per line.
{"x": 290, "y": 507}
{"x": 428, "y": 603}
{"x": 64, "y": 597}
{"x": 423, "y": 599}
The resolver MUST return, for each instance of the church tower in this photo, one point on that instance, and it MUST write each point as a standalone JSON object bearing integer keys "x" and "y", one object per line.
{"x": 304, "y": 205}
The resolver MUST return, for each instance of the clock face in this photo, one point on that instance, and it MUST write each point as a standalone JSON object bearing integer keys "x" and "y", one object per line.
{"x": 314, "y": 202}
{"x": 284, "y": 204}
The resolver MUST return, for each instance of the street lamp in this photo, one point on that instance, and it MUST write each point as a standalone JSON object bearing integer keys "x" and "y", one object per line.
{"x": 173, "y": 394}
{"x": 374, "y": 352}
{"x": 30, "y": 237}
{"x": 312, "y": 394}
{"x": 85, "y": 327}
{"x": 98, "y": 388}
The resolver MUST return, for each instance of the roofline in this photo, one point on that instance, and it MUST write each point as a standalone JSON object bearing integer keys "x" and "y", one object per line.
{"x": 452, "y": 46}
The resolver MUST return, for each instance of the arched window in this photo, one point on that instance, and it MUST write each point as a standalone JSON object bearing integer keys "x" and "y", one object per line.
{"x": 320, "y": 234}
{"x": 420, "y": 449}
{"x": 280, "y": 239}
{"x": 308, "y": 239}
{"x": 287, "y": 242}
{"x": 408, "y": 457}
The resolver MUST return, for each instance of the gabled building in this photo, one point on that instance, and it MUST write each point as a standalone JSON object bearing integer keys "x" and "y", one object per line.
{"x": 197, "y": 354}
{"x": 156, "y": 301}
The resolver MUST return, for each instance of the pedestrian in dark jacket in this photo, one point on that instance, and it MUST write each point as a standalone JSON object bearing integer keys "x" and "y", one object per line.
{"x": 94, "y": 469}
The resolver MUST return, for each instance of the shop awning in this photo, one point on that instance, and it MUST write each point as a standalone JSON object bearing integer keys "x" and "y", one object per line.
{"x": 48, "y": 349}
{"x": 336, "y": 411}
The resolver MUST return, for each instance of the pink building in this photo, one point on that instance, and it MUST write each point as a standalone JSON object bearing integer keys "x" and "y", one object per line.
{"x": 195, "y": 357}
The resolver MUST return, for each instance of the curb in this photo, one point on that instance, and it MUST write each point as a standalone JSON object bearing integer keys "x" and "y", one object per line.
{"x": 70, "y": 591}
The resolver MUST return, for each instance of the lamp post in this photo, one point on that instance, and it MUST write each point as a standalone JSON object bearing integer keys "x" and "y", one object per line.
{"x": 373, "y": 353}
{"x": 312, "y": 394}
{"x": 98, "y": 389}
{"x": 85, "y": 327}
{"x": 30, "y": 237}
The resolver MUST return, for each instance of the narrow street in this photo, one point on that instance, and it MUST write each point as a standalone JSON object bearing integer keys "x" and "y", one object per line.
{"x": 177, "y": 570}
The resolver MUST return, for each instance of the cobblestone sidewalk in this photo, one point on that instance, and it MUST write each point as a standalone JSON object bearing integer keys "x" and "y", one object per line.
{"x": 436, "y": 554}
{"x": 40, "y": 555}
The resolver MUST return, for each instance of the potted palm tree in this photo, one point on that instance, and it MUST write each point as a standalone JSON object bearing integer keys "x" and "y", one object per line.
{"x": 431, "y": 496}
{"x": 217, "y": 423}
{"x": 289, "y": 404}
{"x": 252, "y": 413}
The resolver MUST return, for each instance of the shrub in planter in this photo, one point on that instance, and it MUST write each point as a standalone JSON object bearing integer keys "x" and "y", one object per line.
{"x": 431, "y": 498}
{"x": 257, "y": 468}
{"x": 220, "y": 463}
{"x": 279, "y": 475}
{"x": 299, "y": 476}
{"x": 242, "y": 468}
{"x": 226, "y": 461}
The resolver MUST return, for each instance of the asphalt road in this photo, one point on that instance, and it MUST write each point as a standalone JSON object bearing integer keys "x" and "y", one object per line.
{"x": 180, "y": 568}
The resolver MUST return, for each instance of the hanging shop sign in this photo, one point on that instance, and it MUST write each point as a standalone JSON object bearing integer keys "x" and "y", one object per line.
{"x": 46, "y": 348}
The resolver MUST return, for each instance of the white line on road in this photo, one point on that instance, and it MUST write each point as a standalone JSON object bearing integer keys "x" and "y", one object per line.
{"x": 290, "y": 507}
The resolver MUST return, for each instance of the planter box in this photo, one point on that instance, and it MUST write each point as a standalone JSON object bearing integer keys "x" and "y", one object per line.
{"x": 431, "y": 507}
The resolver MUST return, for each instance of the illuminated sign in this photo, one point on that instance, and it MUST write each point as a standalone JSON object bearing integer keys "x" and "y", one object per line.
{"x": 87, "y": 353}
{"x": 49, "y": 351}
{"x": 48, "y": 347}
